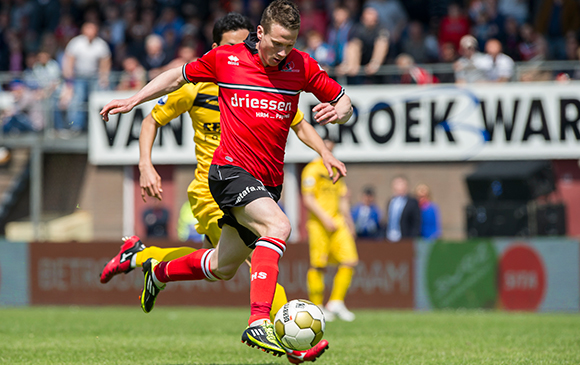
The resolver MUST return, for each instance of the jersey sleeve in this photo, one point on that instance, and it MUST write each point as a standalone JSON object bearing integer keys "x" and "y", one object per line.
{"x": 172, "y": 105}
{"x": 203, "y": 69}
{"x": 320, "y": 84}
{"x": 308, "y": 179}
{"x": 297, "y": 118}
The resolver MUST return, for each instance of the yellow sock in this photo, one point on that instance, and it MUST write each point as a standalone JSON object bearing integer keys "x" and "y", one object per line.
{"x": 315, "y": 279}
{"x": 279, "y": 300}
{"x": 341, "y": 284}
{"x": 162, "y": 254}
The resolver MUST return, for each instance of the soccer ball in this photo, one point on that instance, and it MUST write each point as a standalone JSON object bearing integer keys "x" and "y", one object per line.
{"x": 299, "y": 324}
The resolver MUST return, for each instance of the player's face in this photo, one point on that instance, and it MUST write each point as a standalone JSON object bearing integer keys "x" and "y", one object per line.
{"x": 275, "y": 45}
{"x": 234, "y": 37}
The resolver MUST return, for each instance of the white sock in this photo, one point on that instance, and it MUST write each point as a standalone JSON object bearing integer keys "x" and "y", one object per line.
{"x": 156, "y": 281}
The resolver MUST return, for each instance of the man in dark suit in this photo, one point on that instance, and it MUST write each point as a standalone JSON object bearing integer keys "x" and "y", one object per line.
{"x": 403, "y": 213}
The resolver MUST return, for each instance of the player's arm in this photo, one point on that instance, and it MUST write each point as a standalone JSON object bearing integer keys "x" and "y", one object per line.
{"x": 149, "y": 180}
{"x": 336, "y": 106}
{"x": 337, "y": 113}
{"x": 344, "y": 207}
{"x": 165, "y": 83}
{"x": 308, "y": 135}
{"x": 312, "y": 205}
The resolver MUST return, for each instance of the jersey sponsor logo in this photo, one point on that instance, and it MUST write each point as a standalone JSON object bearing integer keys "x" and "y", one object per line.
{"x": 212, "y": 127}
{"x": 290, "y": 67}
{"x": 265, "y": 89}
{"x": 257, "y": 103}
{"x": 162, "y": 101}
{"x": 309, "y": 182}
{"x": 233, "y": 60}
{"x": 259, "y": 275}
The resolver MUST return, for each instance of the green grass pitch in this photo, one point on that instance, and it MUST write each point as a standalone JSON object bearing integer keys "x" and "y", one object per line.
{"x": 172, "y": 336}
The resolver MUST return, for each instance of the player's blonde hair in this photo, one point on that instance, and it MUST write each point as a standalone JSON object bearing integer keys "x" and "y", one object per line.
{"x": 282, "y": 12}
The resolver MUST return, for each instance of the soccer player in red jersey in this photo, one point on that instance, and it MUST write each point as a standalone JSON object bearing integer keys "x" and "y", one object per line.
{"x": 260, "y": 82}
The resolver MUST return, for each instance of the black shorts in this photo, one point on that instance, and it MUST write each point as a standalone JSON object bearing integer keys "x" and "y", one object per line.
{"x": 232, "y": 186}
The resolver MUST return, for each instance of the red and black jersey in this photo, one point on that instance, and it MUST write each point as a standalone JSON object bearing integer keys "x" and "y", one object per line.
{"x": 258, "y": 103}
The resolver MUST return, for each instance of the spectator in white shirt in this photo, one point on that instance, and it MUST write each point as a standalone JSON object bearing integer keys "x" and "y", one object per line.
{"x": 86, "y": 67}
{"x": 473, "y": 66}
{"x": 502, "y": 68}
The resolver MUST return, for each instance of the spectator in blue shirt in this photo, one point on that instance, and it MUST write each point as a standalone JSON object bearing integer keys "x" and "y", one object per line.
{"x": 367, "y": 215}
{"x": 430, "y": 219}
{"x": 319, "y": 50}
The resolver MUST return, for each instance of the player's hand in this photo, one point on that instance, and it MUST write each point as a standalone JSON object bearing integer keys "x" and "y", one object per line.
{"x": 150, "y": 183}
{"x": 329, "y": 225}
{"x": 325, "y": 113}
{"x": 329, "y": 162}
{"x": 116, "y": 106}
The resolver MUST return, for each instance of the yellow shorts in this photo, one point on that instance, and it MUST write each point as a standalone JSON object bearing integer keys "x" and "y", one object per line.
{"x": 334, "y": 248}
{"x": 205, "y": 210}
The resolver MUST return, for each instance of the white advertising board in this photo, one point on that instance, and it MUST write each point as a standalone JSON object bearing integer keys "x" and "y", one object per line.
{"x": 117, "y": 142}
{"x": 396, "y": 123}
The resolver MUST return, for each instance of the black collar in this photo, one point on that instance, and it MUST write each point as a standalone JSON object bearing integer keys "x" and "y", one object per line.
{"x": 251, "y": 42}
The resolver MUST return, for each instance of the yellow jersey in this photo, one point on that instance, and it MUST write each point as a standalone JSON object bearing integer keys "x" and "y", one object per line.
{"x": 201, "y": 102}
{"x": 315, "y": 180}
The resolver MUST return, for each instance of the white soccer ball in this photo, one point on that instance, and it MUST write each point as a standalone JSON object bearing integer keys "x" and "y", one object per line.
{"x": 299, "y": 324}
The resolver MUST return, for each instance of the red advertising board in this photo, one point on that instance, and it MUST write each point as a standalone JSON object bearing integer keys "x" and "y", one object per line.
{"x": 68, "y": 273}
{"x": 522, "y": 278}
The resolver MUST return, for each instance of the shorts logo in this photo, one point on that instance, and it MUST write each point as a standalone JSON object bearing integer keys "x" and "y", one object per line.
{"x": 248, "y": 190}
{"x": 233, "y": 60}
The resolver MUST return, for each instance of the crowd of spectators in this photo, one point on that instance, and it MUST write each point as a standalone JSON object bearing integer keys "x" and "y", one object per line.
{"x": 82, "y": 45}
{"x": 408, "y": 214}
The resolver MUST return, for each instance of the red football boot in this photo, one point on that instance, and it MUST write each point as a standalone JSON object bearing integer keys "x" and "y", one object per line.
{"x": 298, "y": 357}
{"x": 122, "y": 262}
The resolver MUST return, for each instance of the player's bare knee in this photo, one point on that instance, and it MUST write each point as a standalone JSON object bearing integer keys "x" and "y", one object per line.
{"x": 280, "y": 228}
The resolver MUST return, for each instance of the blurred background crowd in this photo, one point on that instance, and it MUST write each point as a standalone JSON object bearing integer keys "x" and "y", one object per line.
{"x": 59, "y": 51}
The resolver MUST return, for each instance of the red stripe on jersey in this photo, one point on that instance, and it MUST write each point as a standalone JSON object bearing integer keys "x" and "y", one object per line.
{"x": 258, "y": 104}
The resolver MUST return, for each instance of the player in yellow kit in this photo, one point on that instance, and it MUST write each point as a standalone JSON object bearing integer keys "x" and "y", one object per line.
{"x": 201, "y": 102}
{"x": 330, "y": 235}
